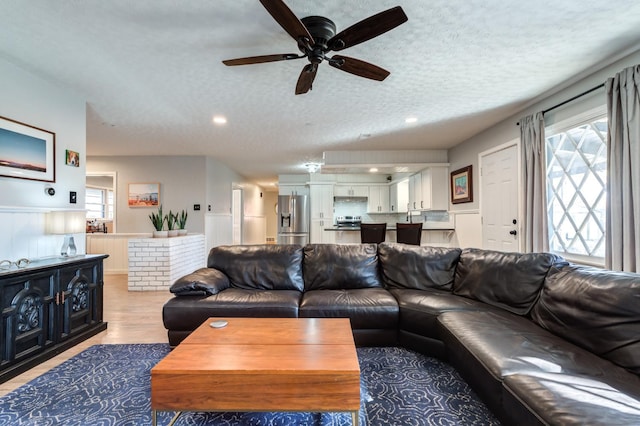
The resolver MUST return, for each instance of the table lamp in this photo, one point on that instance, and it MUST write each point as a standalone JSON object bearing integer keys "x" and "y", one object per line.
{"x": 66, "y": 223}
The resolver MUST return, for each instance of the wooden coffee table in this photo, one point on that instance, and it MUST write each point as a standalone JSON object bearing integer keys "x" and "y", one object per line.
{"x": 261, "y": 364}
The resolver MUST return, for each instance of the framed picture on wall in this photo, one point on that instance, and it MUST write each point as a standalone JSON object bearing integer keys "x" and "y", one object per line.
{"x": 72, "y": 158}
{"x": 27, "y": 152}
{"x": 144, "y": 194}
{"x": 462, "y": 185}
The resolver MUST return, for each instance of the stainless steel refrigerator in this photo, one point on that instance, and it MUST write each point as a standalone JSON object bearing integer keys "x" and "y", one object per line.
{"x": 293, "y": 219}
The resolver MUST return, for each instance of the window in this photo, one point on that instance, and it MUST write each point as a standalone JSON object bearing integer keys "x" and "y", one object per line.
{"x": 576, "y": 190}
{"x": 99, "y": 203}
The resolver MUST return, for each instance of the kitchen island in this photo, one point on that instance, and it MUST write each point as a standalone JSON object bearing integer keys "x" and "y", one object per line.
{"x": 431, "y": 235}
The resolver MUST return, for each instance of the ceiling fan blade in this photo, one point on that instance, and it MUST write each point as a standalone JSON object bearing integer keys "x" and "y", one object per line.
{"x": 261, "y": 59}
{"x": 358, "y": 67}
{"x": 368, "y": 28}
{"x": 305, "y": 81}
{"x": 288, "y": 21}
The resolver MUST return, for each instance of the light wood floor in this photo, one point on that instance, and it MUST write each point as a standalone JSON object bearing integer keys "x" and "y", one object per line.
{"x": 133, "y": 317}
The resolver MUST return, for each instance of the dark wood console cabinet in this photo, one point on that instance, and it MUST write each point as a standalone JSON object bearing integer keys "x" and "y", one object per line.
{"x": 48, "y": 307}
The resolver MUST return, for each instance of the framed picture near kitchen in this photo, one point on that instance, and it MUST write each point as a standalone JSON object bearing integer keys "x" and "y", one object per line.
{"x": 462, "y": 185}
{"x": 27, "y": 152}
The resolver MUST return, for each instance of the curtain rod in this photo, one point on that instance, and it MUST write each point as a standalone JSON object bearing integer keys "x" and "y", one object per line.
{"x": 586, "y": 92}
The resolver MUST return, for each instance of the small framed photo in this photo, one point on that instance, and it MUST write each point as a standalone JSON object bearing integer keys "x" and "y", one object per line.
{"x": 462, "y": 185}
{"x": 72, "y": 158}
{"x": 144, "y": 195}
{"x": 27, "y": 152}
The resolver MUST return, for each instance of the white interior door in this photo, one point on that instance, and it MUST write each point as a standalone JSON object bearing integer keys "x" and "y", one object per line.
{"x": 499, "y": 199}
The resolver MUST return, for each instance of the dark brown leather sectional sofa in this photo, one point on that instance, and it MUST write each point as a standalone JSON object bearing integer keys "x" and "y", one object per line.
{"x": 542, "y": 341}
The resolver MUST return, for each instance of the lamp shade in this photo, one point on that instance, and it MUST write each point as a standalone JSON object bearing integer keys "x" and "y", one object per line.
{"x": 65, "y": 222}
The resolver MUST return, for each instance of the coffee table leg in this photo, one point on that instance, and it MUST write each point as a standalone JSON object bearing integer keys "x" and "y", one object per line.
{"x": 154, "y": 417}
{"x": 355, "y": 418}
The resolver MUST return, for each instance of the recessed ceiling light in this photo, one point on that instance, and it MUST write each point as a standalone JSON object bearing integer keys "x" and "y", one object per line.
{"x": 410, "y": 120}
{"x": 373, "y": 170}
{"x": 219, "y": 119}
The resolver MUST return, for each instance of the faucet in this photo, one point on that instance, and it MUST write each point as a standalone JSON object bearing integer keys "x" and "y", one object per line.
{"x": 409, "y": 217}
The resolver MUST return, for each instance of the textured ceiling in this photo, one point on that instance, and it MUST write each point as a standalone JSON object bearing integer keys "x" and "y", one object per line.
{"x": 152, "y": 75}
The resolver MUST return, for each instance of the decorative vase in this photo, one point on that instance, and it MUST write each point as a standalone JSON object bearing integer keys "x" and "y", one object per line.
{"x": 173, "y": 232}
{"x": 160, "y": 234}
{"x": 182, "y": 232}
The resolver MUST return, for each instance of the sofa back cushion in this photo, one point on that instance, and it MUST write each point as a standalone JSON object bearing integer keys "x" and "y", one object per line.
{"x": 596, "y": 309}
{"x": 418, "y": 268}
{"x": 510, "y": 281}
{"x": 340, "y": 266}
{"x": 260, "y": 267}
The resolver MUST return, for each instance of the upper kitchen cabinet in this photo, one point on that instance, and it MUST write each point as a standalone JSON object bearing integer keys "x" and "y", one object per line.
{"x": 378, "y": 199}
{"x": 292, "y": 189}
{"x": 351, "y": 191}
{"x": 429, "y": 189}
{"x": 399, "y": 196}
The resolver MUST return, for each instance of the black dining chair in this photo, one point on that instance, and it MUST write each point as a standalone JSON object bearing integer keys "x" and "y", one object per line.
{"x": 373, "y": 232}
{"x": 409, "y": 233}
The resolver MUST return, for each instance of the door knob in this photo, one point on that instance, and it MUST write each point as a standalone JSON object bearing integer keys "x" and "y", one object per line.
{"x": 514, "y": 232}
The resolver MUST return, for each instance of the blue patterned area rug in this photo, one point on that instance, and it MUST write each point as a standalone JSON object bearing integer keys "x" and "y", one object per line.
{"x": 110, "y": 385}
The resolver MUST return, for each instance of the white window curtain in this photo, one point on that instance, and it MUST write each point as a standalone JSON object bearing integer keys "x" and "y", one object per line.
{"x": 535, "y": 228}
{"x": 622, "y": 251}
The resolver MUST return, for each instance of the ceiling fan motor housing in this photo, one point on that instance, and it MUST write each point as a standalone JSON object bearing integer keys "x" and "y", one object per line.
{"x": 322, "y": 30}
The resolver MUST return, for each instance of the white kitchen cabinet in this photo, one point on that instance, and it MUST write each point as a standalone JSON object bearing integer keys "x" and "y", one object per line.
{"x": 321, "y": 199}
{"x": 399, "y": 196}
{"x": 318, "y": 233}
{"x": 351, "y": 191}
{"x": 415, "y": 191}
{"x": 378, "y": 199}
{"x": 429, "y": 189}
{"x": 287, "y": 189}
{"x": 435, "y": 188}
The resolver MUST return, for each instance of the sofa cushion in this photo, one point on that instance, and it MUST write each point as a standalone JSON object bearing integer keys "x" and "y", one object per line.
{"x": 510, "y": 281}
{"x": 419, "y": 309}
{"x": 596, "y": 309}
{"x": 260, "y": 267}
{"x": 415, "y": 267}
{"x": 367, "y": 307}
{"x": 204, "y": 281}
{"x": 340, "y": 266}
{"x": 187, "y": 313}
{"x": 567, "y": 399}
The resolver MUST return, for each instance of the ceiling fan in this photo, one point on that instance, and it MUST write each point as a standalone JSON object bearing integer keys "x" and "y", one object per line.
{"x": 316, "y": 36}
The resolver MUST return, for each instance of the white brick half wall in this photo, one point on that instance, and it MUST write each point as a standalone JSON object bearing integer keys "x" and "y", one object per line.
{"x": 155, "y": 263}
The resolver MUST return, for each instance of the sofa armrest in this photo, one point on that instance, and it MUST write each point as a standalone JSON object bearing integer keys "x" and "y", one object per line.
{"x": 203, "y": 282}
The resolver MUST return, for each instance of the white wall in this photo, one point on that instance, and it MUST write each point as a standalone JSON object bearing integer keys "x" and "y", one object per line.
{"x": 27, "y": 98}
{"x": 185, "y": 181}
{"x": 182, "y": 184}
{"x": 505, "y": 131}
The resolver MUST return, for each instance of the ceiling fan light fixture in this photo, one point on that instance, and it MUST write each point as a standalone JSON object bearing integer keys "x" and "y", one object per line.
{"x": 312, "y": 167}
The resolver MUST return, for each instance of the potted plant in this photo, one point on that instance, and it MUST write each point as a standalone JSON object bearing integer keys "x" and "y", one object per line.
{"x": 182, "y": 222}
{"x": 171, "y": 224}
{"x": 158, "y": 219}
